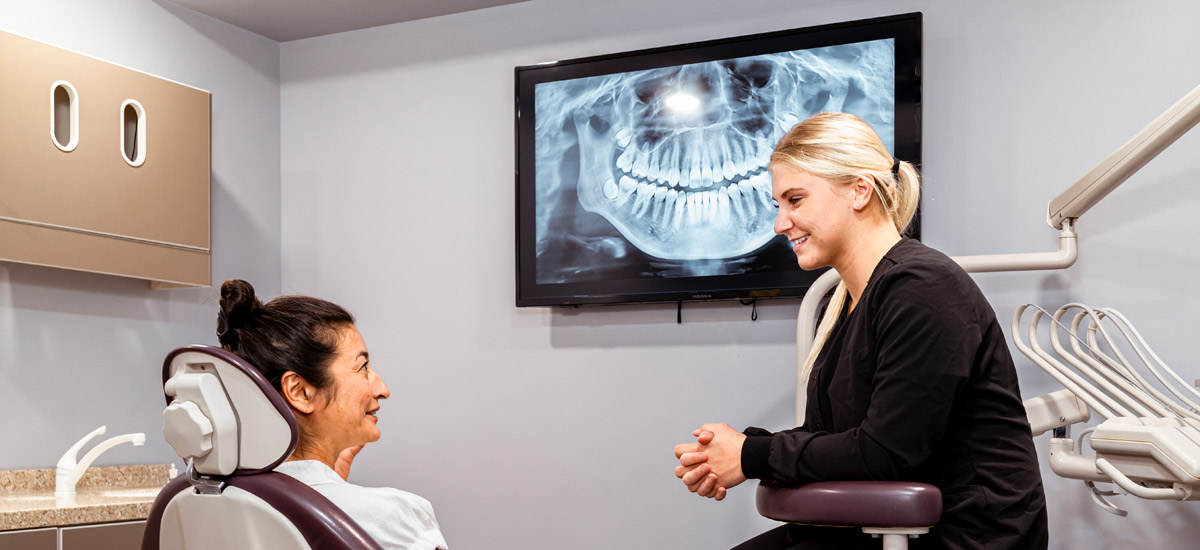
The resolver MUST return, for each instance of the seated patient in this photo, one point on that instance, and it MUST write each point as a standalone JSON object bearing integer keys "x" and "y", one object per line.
{"x": 310, "y": 351}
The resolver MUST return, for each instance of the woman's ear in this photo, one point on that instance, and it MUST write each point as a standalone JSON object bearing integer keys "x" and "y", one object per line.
{"x": 298, "y": 392}
{"x": 861, "y": 191}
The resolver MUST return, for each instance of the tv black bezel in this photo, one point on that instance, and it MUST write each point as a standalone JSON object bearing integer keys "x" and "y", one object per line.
{"x": 905, "y": 29}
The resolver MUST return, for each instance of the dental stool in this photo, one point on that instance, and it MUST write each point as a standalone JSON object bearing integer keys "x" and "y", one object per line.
{"x": 894, "y": 510}
{"x": 233, "y": 429}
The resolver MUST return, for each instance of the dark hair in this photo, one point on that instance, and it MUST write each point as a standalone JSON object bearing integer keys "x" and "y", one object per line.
{"x": 289, "y": 333}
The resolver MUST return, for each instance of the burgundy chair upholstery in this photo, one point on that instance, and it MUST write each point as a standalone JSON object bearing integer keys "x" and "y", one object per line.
{"x": 322, "y": 525}
{"x": 852, "y": 503}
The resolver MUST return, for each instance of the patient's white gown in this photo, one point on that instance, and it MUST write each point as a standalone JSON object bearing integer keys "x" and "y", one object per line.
{"x": 394, "y": 518}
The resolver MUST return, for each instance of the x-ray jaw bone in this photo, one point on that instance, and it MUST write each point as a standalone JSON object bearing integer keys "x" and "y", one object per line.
{"x": 693, "y": 185}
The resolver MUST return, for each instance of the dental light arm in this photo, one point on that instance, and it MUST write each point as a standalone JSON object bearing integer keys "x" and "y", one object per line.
{"x": 1122, "y": 163}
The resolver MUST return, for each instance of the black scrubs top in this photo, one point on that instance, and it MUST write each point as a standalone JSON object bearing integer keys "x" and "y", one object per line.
{"x": 917, "y": 384}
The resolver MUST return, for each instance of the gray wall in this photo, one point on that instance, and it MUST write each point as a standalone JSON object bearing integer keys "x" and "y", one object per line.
{"x": 548, "y": 428}
{"x": 79, "y": 350}
{"x": 553, "y": 428}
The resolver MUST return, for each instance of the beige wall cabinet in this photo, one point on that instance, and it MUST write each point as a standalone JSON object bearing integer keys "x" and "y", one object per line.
{"x": 105, "y": 536}
{"x": 102, "y": 168}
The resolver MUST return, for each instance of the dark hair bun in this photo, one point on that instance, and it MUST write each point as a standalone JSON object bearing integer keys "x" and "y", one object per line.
{"x": 238, "y": 303}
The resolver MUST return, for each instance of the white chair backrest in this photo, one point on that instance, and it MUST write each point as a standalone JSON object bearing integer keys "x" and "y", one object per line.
{"x": 233, "y": 519}
{"x": 223, "y": 414}
{"x": 233, "y": 428}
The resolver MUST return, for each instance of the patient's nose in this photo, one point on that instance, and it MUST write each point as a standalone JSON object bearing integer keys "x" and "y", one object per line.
{"x": 379, "y": 388}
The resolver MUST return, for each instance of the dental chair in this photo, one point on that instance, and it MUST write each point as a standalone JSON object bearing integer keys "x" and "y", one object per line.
{"x": 233, "y": 429}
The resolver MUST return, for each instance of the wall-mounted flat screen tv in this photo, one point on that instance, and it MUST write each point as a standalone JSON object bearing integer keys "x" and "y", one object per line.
{"x": 642, "y": 176}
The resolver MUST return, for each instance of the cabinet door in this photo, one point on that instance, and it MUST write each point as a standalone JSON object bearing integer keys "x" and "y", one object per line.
{"x": 34, "y": 539}
{"x": 110, "y": 536}
{"x": 88, "y": 206}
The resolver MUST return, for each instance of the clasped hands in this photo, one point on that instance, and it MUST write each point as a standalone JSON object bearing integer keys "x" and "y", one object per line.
{"x": 713, "y": 464}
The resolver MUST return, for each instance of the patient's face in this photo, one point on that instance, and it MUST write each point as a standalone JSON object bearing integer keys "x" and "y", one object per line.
{"x": 348, "y": 417}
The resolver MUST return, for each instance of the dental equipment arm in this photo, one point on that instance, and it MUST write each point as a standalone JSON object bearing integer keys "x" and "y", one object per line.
{"x": 1122, "y": 163}
{"x": 1143, "y": 403}
{"x": 68, "y": 472}
{"x": 1153, "y": 456}
{"x": 1082, "y": 388}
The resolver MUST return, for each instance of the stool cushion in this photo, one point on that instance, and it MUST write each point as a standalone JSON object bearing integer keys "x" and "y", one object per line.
{"x": 852, "y": 503}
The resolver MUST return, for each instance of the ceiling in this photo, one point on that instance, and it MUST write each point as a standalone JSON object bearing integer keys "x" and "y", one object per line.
{"x": 285, "y": 20}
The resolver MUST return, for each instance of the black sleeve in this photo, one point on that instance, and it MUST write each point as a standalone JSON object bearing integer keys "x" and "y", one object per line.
{"x": 926, "y": 338}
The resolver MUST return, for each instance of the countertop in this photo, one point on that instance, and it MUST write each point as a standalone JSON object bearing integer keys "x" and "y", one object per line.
{"x": 104, "y": 494}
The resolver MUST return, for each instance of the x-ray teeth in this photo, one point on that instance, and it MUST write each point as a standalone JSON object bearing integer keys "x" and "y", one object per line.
{"x": 675, "y": 159}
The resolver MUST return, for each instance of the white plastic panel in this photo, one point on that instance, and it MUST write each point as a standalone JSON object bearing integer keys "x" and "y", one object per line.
{"x": 233, "y": 519}
{"x": 264, "y": 432}
{"x": 194, "y": 379}
{"x": 1137, "y": 461}
{"x": 1173, "y": 447}
{"x": 1055, "y": 410}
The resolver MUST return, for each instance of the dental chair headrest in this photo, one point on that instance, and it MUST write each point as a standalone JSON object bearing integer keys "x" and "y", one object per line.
{"x": 223, "y": 414}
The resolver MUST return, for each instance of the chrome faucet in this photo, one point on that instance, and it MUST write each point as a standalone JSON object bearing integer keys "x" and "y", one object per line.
{"x": 68, "y": 472}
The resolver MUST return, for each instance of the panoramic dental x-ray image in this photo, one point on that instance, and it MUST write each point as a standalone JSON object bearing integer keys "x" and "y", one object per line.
{"x": 663, "y": 172}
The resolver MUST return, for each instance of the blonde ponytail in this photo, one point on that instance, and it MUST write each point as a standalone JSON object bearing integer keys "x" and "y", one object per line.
{"x": 908, "y": 187}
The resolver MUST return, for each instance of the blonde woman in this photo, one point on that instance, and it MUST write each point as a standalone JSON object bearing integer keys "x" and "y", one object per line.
{"x": 910, "y": 377}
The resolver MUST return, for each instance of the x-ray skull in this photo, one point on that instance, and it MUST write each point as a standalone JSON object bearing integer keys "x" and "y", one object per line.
{"x": 676, "y": 158}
